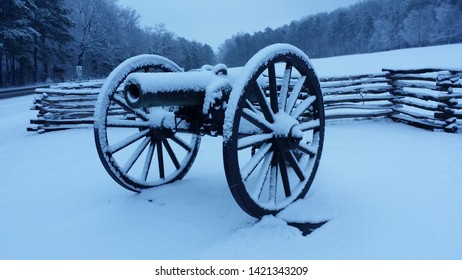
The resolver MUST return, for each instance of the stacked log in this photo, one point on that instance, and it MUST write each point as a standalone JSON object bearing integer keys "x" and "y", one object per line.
{"x": 451, "y": 82}
{"x": 359, "y": 96}
{"x": 427, "y": 97}
{"x": 64, "y": 106}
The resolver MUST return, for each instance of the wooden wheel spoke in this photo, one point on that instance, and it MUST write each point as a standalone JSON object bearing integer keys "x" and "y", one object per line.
{"x": 127, "y": 123}
{"x": 253, "y": 140}
{"x": 284, "y": 175}
{"x": 306, "y": 150}
{"x": 263, "y": 103}
{"x": 147, "y": 162}
{"x": 310, "y": 125}
{"x": 171, "y": 154}
{"x": 273, "y": 88}
{"x": 181, "y": 143}
{"x": 252, "y": 107}
{"x": 120, "y": 101}
{"x": 128, "y": 141}
{"x": 295, "y": 94}
{"x": 295, "y": 166}
{"x": 136, "y": 155}
{"x": 285, "y": 86}
{"x": 256, "y": 120}
{"x": 302, "y": 107}
{"x": 263, "y": 174}
{"x": 160, "y": 160}
{"x": 274, "y": 178}
{"x": 247, "y": 170}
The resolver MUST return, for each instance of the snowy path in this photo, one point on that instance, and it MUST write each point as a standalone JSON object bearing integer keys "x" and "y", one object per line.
{"x": 388, "y": 190}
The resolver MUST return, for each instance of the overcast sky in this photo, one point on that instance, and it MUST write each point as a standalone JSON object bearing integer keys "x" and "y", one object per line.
{"x": 214, "y": 21}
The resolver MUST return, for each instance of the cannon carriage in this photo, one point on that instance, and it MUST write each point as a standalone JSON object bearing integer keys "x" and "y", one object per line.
{"x": 150, "y": 117}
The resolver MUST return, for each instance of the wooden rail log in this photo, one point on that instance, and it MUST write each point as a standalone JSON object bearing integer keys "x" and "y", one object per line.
{"x": 426, "y": 77}
{"x": 432, "y": 95}
{"x": 422, "y": 114}
{"x": 419, "y": 70}
{"x": 416, "y": 84}
{"x": 421, "y": 104}
{"x": 355, "y": 82}
{"x": 42, "y": 121}
{"x": 357, "y": 106}
{"x": 97, "y": 84}
{"x": 360, "y": 89}
{"x": 44, "y": 105}
{"x": 359, "y": 98}
{"x": 353, "y": 77}
{"x": 358, "y": 114}
{"x": 66, "y": 92}
{"x": 420, "y": 123}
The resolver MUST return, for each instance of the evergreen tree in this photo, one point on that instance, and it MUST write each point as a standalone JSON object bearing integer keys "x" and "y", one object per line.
{"x": 16, "y": 35}
{"x": 53, "y": 25}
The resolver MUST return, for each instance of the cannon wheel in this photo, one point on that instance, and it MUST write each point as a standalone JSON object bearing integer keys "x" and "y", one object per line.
{"x": 126, "y": 140}
{"x": 273, "y": 130}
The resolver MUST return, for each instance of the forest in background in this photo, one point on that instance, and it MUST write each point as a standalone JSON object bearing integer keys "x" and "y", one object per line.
{"x": 43, "y": 40}
{"x": 368, "y": 26}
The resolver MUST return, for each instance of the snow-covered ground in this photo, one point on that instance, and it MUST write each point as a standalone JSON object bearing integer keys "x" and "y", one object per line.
{"x": 387, "y": 190}
{"x": 447, "y": 56}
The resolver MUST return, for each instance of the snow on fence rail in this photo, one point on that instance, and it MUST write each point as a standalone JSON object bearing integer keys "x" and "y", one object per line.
{"x": 360, "y": 96}
{"x": 426, "y": 98}
{"x": 64, "y": 106}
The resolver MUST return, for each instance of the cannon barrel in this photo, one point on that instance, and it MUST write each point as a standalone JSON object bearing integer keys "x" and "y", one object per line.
{"x": 168, "y": 89}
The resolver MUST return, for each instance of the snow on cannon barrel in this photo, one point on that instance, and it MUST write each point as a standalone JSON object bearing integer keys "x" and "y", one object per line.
{"x": 174, "y": 89}
{"x": 150, "y": 117}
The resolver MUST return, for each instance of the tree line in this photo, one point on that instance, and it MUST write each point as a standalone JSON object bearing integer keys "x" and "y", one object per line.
{"x": 368, "y": 26}
{"x": 42, "y": 40}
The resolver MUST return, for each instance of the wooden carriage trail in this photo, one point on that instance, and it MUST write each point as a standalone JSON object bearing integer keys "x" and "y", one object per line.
{"x": 426, "y": 98}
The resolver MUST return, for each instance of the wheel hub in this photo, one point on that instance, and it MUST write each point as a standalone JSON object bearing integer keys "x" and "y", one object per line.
{"x": 161, "y": 133}
{"x": 161, "y": 124}
{"x": 287, "y": 132}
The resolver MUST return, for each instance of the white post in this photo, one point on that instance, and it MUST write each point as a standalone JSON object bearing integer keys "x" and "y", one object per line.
{"x": 78, "y": 69}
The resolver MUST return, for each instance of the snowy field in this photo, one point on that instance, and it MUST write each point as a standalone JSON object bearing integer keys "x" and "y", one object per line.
{"x": 387, "y": 190}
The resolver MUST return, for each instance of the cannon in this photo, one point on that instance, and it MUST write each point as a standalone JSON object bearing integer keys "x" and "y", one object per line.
{"x": 150, "y": 116}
